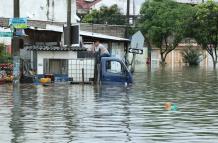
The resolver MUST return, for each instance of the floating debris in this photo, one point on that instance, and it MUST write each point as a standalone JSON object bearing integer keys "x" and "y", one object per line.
{"x": 170, "y": 106}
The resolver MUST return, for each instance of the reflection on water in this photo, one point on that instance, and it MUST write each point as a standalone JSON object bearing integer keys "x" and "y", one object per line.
{"x": 76, "y": 113}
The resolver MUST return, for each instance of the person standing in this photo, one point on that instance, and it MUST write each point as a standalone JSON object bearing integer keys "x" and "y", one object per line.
{"x": 101, "y": 49}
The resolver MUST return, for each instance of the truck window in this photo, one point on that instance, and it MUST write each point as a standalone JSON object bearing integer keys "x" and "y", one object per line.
{"x": 114, "y": 67}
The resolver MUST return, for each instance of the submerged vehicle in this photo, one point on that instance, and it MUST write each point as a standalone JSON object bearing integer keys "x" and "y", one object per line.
{"x": 108, "y": 70}
{"x": 113, "y": 70}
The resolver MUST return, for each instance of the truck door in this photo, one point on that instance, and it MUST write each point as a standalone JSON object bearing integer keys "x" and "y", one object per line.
{"x": 113, "y": 70}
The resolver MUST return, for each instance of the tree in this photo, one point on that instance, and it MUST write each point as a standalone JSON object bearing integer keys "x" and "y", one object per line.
{"x": 105, "y": 15}
{"x": 163, "y": 23}
{"x": 205, "y": 28}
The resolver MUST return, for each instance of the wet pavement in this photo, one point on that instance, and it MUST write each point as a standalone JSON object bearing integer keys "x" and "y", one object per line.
{"x": 63, "y": 113}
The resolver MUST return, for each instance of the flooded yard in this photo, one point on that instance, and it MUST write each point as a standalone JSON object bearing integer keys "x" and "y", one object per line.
{"x": 63, "y": 113}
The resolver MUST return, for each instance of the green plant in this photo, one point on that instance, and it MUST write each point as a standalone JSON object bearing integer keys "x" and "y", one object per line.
{"x": 2, "y": 49}
{"x": 105, "y": 15}
{"x": 4, "y": 57}
{"x": 192, "y": 56}
{"x": 164, "y": 24}
{"x": 205, "y": 28}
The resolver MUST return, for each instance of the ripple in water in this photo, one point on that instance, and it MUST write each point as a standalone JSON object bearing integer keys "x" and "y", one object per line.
{"x": 90, "y": 114}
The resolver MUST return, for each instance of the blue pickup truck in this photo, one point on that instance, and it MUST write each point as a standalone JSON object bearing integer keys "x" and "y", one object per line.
{"x": 114, "y": 71}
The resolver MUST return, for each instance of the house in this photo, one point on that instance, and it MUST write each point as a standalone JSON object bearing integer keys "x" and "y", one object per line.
{"x": 38, "y": 13}
{"x": 45, "y": 52}
{"x": 50, "y": 56}
{"x": 44, "y": 46}
{"x": 175, "y": 57}
{"x": 44, "y": 10}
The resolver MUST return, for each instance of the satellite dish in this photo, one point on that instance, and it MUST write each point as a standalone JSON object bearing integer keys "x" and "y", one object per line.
{"x": 137, "y": 41}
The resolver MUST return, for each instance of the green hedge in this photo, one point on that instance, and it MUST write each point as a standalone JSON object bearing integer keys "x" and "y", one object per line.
{"x": 4, "y": 57}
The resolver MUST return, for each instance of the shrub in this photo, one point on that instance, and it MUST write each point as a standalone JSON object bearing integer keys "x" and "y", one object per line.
{"x": 4, "y": 57}
{"x": 192, "y": 56}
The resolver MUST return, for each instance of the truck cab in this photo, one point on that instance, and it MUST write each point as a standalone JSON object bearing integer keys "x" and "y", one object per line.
{"x": 113, "y": 70}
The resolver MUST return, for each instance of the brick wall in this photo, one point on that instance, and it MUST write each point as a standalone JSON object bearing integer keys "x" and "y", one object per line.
{"x": 113, "y": 30}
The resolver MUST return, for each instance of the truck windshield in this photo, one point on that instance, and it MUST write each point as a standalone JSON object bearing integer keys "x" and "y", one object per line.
{"x": 114, "y": 67}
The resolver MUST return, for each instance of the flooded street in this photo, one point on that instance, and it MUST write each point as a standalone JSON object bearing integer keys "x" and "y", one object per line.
{"x": 87, "y": 114}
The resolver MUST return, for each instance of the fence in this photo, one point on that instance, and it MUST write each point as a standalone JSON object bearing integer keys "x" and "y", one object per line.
{"x": 81, "y": 70}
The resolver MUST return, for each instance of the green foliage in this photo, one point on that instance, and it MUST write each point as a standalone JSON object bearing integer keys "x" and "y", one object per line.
{"x": 105, "y": 15}
{"x": 191, "y": 56}
{"x": 205, "y": 28}
{"x": 4, "y": 57}
{"x": 164, "y": 24}
{"x": 2, "y": 49}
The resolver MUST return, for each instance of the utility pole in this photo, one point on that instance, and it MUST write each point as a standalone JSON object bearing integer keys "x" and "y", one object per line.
{"x": 16, "y": 64}
{"x": 68, "y": 31}
{"x": 16, "y": 8}
{"x": 15, "y": 47}
{"x": 127, "y": 11}
{"x": 127, "y": 18}
{"x": 133, "y": 18}
{"x": 126, "y": 30}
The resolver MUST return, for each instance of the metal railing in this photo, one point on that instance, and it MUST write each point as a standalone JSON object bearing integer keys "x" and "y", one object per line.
{"x": 82, "y": 69}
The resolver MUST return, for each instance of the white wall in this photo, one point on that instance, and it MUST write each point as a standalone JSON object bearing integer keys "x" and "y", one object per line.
{"x": 51, "y": 10}
{"x": 53, "y": 55}
{"x": 5, "y": 40}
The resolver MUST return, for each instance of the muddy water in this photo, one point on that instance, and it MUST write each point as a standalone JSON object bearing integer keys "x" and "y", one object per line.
{"x": 63, "y": 113}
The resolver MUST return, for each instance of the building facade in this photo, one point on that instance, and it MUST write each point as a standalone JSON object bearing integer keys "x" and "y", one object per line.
{"x": 44, "y": 10}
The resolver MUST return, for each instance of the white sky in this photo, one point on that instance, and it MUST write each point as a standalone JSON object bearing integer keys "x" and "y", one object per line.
{"x": 39, "y": 10}
{"x": 122, "y": 4}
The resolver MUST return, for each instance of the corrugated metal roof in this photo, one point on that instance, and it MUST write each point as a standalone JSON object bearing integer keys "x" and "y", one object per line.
{"x": 102, "y": 36}
{"x": 83, "y": 33}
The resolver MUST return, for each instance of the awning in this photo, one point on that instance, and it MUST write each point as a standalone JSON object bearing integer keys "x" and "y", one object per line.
{"x": 103, "y": 36}
{"x": 83, "y": 33}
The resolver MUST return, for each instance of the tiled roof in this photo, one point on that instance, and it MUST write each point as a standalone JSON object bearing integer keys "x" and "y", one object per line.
{"x": 53, "y": 48}
{"x": 85, "y": 4}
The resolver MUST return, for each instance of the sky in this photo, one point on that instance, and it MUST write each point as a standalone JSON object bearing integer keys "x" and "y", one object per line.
{"x": 39, "y": 10}
{"x": 122, "y": 4}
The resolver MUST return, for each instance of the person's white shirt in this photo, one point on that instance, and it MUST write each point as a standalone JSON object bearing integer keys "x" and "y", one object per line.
{"x": 98, "y": 47}
{"x": 102, "y": 48}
